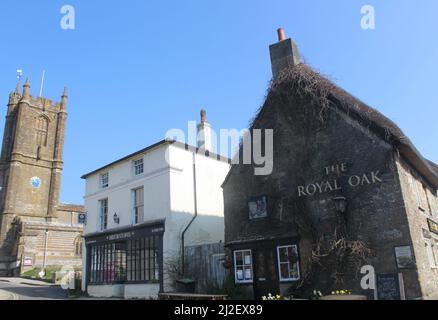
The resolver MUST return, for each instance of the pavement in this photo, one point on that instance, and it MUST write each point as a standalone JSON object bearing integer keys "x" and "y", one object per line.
{"x": 28, "y": 289}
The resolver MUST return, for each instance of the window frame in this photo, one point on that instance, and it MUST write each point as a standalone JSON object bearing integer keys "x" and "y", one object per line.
{"x": 279, "y": 263}
{"x": 41, "y": 131}
{"x": 135, "y": 206}
{"x": 101, "y": 180}
{"x": 236, "y": 280}
{"x": 103, "y": 216}
{"x": 135, "y": 164}
{"x": 431, "y": 254}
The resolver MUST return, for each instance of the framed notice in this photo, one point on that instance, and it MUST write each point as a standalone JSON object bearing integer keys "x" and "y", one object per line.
{"x": 28, "y": 261}
{"x": 404, "y": 257}
{"x": 433, "y": 226}
{"x": 258, "y": 207}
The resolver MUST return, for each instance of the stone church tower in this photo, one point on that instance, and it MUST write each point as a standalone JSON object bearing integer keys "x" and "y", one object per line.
{"x": 35, "y": 229}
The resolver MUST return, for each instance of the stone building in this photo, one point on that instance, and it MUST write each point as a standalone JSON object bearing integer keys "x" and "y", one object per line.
{"x": 347, "y": 189}
{"x": 36, "y": 231}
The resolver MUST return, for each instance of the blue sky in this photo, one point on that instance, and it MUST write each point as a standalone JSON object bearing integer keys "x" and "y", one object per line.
{"x": 135, "y": 69}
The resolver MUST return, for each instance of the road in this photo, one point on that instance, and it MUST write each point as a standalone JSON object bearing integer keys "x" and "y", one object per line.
{"x": 23, "y": 289}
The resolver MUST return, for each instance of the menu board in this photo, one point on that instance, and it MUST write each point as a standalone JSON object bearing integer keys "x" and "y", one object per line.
{"x": 388, "y": 286}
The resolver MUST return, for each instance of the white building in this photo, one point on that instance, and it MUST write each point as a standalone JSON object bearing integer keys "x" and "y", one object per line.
{"x": 142, "y": 209}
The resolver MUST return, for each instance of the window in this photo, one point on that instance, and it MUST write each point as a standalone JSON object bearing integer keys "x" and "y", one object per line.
{"x": 138, "y": 205}
{"x": 142, "y": 259}
{"x": 103, "y": 207}
{"x": 104, "y": 180}
{"x": 41, "y": 127}
{"x": 134, "y": 260}
{"x": 431, "y": 254}
{"x": 78, "y": 246}
{"x": 288, "y": 267}
{"x": 414, "y": 187}
{"x": 243, "y": 266}
{"x": 108, "y": 263}
{"x": 138, "y": 166}
{"x": 428, "y": 202}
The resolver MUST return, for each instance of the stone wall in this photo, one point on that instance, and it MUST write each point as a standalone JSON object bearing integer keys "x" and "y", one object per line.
{"x": 421, "y": 204}
{"x": 305, "y": 145}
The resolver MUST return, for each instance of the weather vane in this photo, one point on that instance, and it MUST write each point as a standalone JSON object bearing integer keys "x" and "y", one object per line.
{"x": 19, "y": 74}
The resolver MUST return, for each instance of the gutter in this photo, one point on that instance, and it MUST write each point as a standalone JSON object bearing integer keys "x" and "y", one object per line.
{"x": 195, "y": 199}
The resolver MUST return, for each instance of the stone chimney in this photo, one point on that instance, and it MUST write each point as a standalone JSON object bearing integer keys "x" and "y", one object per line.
{"x": 204, "y": 133}
{"x": 284, "y": 53}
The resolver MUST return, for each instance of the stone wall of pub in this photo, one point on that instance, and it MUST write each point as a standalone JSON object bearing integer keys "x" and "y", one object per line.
{"x": 303, "y": 147}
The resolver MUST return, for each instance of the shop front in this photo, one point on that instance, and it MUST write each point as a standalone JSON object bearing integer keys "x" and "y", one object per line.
{"x": 125, "y": 262}
{"x": 266, "y": 267}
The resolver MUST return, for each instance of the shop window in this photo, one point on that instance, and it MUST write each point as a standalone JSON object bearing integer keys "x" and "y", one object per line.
{"x": 108, "y": 263}
{"x": 243, "y": 266}
{"x": 132, "y": 261}
{"x": 142, "y": 259}
{"x": 288, "y": 264}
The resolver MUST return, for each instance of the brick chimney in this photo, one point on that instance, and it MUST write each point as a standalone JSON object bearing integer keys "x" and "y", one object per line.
{"x": 284, "y": 53}
{"x": 204, "y": 133}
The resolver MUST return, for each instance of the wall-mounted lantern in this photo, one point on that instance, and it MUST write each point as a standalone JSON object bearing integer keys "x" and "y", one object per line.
{"x": 340, "y": 204}
{"x": 116, "y": 218}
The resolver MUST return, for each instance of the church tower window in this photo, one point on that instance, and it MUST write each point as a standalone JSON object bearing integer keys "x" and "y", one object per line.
{"x": 42, "y": 126}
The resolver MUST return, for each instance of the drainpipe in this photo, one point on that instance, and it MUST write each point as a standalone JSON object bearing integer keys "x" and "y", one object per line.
{"x": 193, "y": 218}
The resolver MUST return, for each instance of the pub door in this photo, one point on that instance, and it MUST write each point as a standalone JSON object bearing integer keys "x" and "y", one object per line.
{"x": 265, "y": 272}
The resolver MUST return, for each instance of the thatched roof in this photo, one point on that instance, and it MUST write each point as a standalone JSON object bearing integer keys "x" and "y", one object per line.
{"x": 303, "y": 81}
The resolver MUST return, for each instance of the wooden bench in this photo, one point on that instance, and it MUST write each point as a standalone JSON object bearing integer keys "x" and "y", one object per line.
{"x": 191, "y": 296}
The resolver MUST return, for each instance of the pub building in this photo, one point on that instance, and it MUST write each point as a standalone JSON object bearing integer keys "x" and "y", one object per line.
{"x": 348, "y": 189}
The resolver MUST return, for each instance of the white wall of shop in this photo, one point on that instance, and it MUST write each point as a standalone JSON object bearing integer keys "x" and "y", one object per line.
{"x": 168, "y": 194}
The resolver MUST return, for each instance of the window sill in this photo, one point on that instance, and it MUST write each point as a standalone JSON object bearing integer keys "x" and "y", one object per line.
{"x": 289, "y": 280}
{"x": 244, "y": 282}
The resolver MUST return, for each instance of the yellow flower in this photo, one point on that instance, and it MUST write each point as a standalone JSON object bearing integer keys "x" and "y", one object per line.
{"x": 278, "y": 296}
{"x": 264, "y": 298}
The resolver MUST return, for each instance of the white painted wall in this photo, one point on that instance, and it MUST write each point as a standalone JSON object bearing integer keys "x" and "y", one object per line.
{"x": 169, "y": 195}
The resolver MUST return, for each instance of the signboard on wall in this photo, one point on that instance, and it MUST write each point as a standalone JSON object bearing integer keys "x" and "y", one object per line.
{"x": 258, "y": 207}
{"x": 27, "y": 261}
{"x": 389, "y": 286}
{"x": 82, "y": 218}
{"x": 433, "y": 226}
{"x": 404, "y": 257}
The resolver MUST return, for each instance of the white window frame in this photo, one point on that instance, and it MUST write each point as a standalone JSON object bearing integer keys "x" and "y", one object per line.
{"x": 134, "y": 204}
{"x": 279, "y": 263}
{"x": 236, "y": 280}
{"x": 134, "y": 166}
{"x": 101, "y": 180}
{"x": 101, "y": 214}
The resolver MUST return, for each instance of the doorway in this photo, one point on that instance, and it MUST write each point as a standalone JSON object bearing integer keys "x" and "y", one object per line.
{"x": 265, "y": 272}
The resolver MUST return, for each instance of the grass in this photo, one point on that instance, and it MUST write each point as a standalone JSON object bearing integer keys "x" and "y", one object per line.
{"x": 34, "y": 274}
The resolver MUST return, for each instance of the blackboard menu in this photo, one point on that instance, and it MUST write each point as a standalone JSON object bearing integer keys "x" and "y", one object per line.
{"x": 388, "y": 286}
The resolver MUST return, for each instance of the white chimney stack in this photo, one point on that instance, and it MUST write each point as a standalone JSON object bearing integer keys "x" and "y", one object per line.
{"x": 204, "y": 133}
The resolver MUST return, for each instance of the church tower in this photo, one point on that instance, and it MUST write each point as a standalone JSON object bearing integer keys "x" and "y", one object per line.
{"x": 31, "y": 164}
